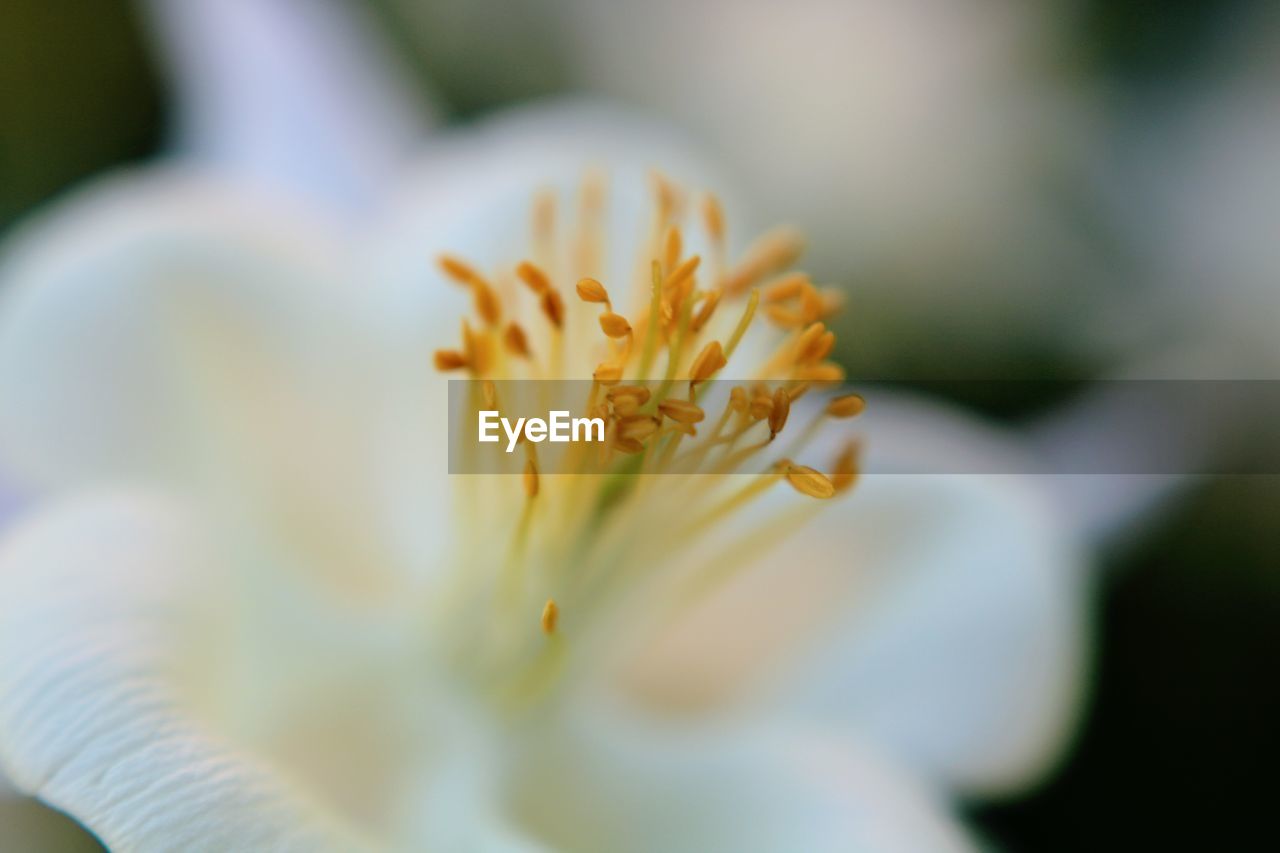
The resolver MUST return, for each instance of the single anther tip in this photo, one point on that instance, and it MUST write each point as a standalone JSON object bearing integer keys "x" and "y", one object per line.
{"x": 550, "y": 616}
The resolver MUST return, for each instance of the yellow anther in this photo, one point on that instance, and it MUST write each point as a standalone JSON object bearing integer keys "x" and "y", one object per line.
{"x": 809, "y": 482}
{"x": 713, "y": 217}
{"x": 844, "y": 471}
{"x": 614, "y": 325}
{"x": 778, "y": 414}
{"x": 683, "y": 273}
{"x": 450, "y": 359}
{"x": 738, "y": 399}
{"x": 708, "y": 363}
{"x": 808, "y": 343}
{"x": 590, "y": 290}
{"x": 761, "y": 407}
{"x": 553, "y": 307}
{"x": 812, "y": 305}
{"x": 458, "y": 270}
{"x": 682, "y": 411}
{"x": 788, "y": 287}
{"x": 846, "y": 406}
{"x": 784, "y": 317}
{"x": 823, "y": 347}
{"x": 534, "y": 278}
{"x": 626, "y": 406}
{"x": 487, "y": 305}
{"x": 638, "y": 427}
{"x": 637, "y": 392}
{"x": 771, "y": 253}
{"x": 607, "y": 374}
{"x": 628, "y": 445}
{"x": 827, "y": 371}
{"x": 673, "y": 248}
{"x": 708, "y": 307}
{"x": 516, "y": 341}
{"x": 550, "y": 616}
{"x": 530, "y": 479}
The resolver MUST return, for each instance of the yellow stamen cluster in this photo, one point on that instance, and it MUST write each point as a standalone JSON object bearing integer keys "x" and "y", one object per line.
{"x": 651, "y": 366}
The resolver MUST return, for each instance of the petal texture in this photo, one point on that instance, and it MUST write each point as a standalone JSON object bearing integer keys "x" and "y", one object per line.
{"x": 89, "y": 719}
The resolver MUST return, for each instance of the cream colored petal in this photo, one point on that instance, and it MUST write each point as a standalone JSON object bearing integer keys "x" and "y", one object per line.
{"x": 91, "y": 719}
{"x": 610, "y": 782}
{"x": 163, "y": 327}
{"x": 940, "y": 615}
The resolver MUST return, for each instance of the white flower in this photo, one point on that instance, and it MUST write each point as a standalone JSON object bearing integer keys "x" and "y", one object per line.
{"x": 234, "y": 624}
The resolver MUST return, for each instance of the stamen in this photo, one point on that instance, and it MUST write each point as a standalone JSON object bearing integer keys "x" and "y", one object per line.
{"x": 844, "y": 471}
{"x": 681, "y": 411}
{"x": 550, "y": 616}
{"x": 553, "y": 308}
{"x": 614, "y": 325}
{"x": 585, "y": 535}
{"x": 533, "y": 277}
{"x": 708, "y": 363}
{"x": 449, "y": 359}
{"x": 771, "y": 253}
{"x": 778, "y": 414}
{"x": 809, "y": 482}
{"x": 517, "y": 342}
{"x": 590, "y": 290}
{"x": 846, "y": 406}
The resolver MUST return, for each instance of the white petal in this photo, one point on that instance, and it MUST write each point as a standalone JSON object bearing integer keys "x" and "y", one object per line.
{"x": 89, "y": 718}
{"x": 608, "y": 782}
{"x": 101, "y": 294}
{"x": 937, "y": 614}
{"x": 164, "y": 328}
{"x": 294, "y": 93}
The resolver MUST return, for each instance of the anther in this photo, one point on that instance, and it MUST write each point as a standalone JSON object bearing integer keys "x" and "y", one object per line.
{"x": 682, "y": 411}
{"x": 590, "y": 290}
{"x": 809, "y": 482}
{"x": 534, "y": 278}
{"x": 614, "y": 325}
{"x": 550, "y": 616}
{"x": 516, "y": 341}
{"x": 450, "y": 359}
{"x": 708, "y": 362}
{"x": 778, "y": 414}
{"x": 846, "y": 406}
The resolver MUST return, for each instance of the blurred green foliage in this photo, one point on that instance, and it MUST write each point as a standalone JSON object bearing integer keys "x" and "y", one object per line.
{"x": 77, "y": 94}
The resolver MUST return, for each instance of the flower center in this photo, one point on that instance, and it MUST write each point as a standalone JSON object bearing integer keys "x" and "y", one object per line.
{"x": 600, "y": 528}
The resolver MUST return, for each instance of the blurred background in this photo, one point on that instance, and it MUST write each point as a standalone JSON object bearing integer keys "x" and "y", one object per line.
{"x": 1050, "y": 192}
